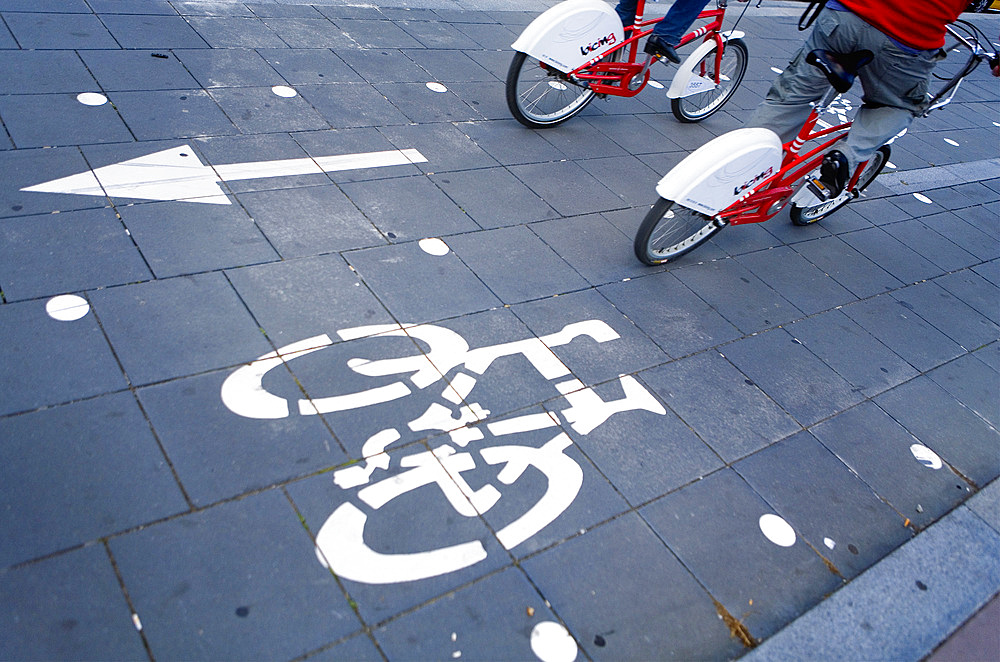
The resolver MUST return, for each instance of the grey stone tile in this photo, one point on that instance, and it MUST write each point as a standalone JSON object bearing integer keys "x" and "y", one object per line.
{"x": 384, "y": 65}
{"x": 408, "y": 208}
{"x": 578, "y": 141}
{"x": 966, "y": 235}
{"x": 826, "y": 503}
{"x": 593, "y": 246}
{"x": 422, "y": 105}
{"x": 493, "y": 255}
{"x": 65, "y": 607}
{"x": 59, "y": 31}
{"x": 54, "y": 6}
{"x": 158, "y": 7}
{"x": 230, "y": 150}
{"x": 418, "y": 287}
{"x": 271, "y": 10}
{"x": 229, "y": 67}
{"x": 713, "y": 526}
{"x": 878, "y": 211}
{"x": 672, "y": 315}
{"x": 7, "y": 40}
{"x": 810, "y": 289}
{"x": 445, "y": 147}
{"x": 172, "y": 114}
{"x": 43, "y": 72}
{"x": 915, "y": 207}
{"x": 727, "y": 410}
{"x": 310, "y": 65}
{"x": 376, "y": 34}
{"x": 219, "y": 8}
{"x": 986, "y": 504}
{"x": 792, "y": 376}
{"x": 309, "y": 33}
{"x": 881, "y": 247}
{"x": 626, "y": 176}
{"x": 158, "y": 335}
{"x": 984, "y": 217}
{"x": 137, "y": 70}
{"x": 510, "y": 143}
{"x": 487, "y": 36}
{"x": 449, "y": 66}
{"x": 361, "y": 140}
{"x": 568, "y": 188}
{"x": 188, "y": 578}
{"x": 351, "y": 105}
{"x": 633, "y": 134}
{"x": 235, "y": 32}
{"x": 368, "y": 12}
{"x": 852, "y": 352}
{"x": 260, "y": 110}
{"x": 437, "y": 35}
{"x": 493, "y": 197}
{"x": 137, "y": 31}
{"x": 884, "y": 455}
{"x": 847, "y": 266}
{"x": 496, "y": 62}
{"x": 46, "y": 362}
{"x": 610, "y": 615}
{"x": 109, "y": 477}
{"x": 948, "y": 314}
{"x": 933, "y": 246}
{"x": 990, "y": 355}
{"x": 48, "y": 120}
{"x": 359, "y": 647}
{"x": 78, "y": 250}
{"x": 973, "y": 383}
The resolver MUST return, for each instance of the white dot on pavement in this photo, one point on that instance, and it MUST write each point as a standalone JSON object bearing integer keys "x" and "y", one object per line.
{"x": 67, "y": 307}
{"x": 433, "y": 246}
{"x": 436, "y": 87}
{"x": 923, "y": 198}
{"x": 777, "y": 530}
{"x": 657, "y": 84}
{"x": 284, "y": 91}
{"x": 552, "y": 643}
{"x": 91, "y": 99}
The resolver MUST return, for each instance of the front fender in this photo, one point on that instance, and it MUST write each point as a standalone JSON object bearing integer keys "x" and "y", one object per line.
{"x": 686, "y": 82}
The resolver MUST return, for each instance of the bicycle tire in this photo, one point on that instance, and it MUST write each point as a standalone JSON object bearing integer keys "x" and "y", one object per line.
{"x": 670, "y": 230}
{"x": 697, "y": 107}
{"x": 540, "y": 97}
{"x": 813, "y": 213}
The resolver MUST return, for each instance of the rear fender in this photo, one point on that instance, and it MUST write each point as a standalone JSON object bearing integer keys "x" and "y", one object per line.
{"x": 572, "y": 33}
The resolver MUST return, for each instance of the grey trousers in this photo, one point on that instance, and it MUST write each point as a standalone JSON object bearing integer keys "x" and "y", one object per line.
{"x": 895, "y": 85}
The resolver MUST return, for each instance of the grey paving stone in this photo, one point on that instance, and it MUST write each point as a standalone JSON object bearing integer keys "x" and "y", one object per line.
{"x": 881, "y": 452}
{"x": 853, "y": 353}
{"x": 497, "y": 624}
{"x": 510, "y": 143}
{"x": 174, "y": 241}
{"x": 792, "y": 376}
{"x": 917, "y": 208}
{"x": 948, "y": 314}
{"x": 161, "y": 7}
{"x": 99, "y": 156}
{"x": 157, "y": 334}
{"x": 420, "y": 520}
{"x": 905, "y": 333}
{"x": 275, "y": 292}
{"x": 609, "y": 612}
{"x": 578, "y": 141}
{"x": 826, "y": 503}
{"x": 626, "y": 176}
{"x": 67, "y": 607}
{"x": 353, "y": 141}
{"x": 351, "y": 105}
{"x": 847, "y": 266}
{"x": 493, "y": 197}
{"x": 78, "y": 250}
{"x": 218, "y": 454}
{"x": 495, "y": 254}
{"x": 956, "y": 434}
{"x": 934, "y": 247}
{"x": 437, "y": 35}
{"x": 219, "y": 8}
{"x": 47, "y": 120}
{"x": 445, "y": 147}
{"x": 789, "y": 234}
{"x": 136, "y": 70}
{"x": 721, "y": 404}
{"x": 138, "y": 31}
{"x": 738, "y": 295}
{"x": 54, "y": 6}
{"x": 272, "y": 10}
{"x": 229, "y": 150}
{"x": 593, "y": 246}
{"x": 496, "y": 62}
{"x": 46, "y": 362}
{"x": 43, "y": 72}
{"x": 384, "y": 65}
{"x": 309, "y": 33}
{"x": 878, "y": 211}
{"x": 568, "y": 188}
{"x": 973, "y": 383}
{"x": 449, "y": 66}
{"x": 408, "y": 208}
{"x": 376, "y": 34}
{"x": 310, "y": 65}
{"x": 235, "y": 32}
{"x": 188, "y": 580}
{"x": 990, "y": 355}
{"x": 417, "y": 287}
{"x": 486, "y": 99}
{"x": 734, "y": 241}
{"x": 891, "y": 254}
{"x": 713, "y": 527}
{"x": 810, "y": 289}
{"x": 984, "y": 217}
{"x": 59, "y": 30}
{"x": 903, "y": 608}
{"x": 359, "y": 647}
{"x": 110, "y": 477}
{"x": 488, "y": 36}
{"x": 229, "y": 67}
{"x": 260, "y": 110}
{"x": 677, "y": 320}
{"x": 986, "y": 504}
{"x": 7, "y": 39}
{"x": 422, "y": 105}
{"x": 172, "y": 114}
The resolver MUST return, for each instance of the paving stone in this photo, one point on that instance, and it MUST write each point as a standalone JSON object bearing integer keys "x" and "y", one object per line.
{"x": 408, "y": 208}
{"x": 271, "y": 10}
{"x": 486, "y": 99}
{"x": 230, "y": 67}
{"x": 375, "y": 34}
{"x": 136, "y": 70}
{"x": 593, "y": 246}
{"x": 161, "y": 7}
{"x": 973, "y": 383}
{"x": 510, "y": 143}
{"x": 157, "y": 334}
{"x": 47, "y": 362}
{"x": 878, "y": 211}
{"x": 792, "y": 376}
{"x": 445, "y": 147}
{"x": 260, "y": 110}
{"x": 847, "y": 266}
{"x": 567, "y": 187}
{"x": 309, "y": 65}
{"x": 839, "y": 516}
{"x": 47, "y": 120}
{"x": 7, "y": 39}
{"x": 494, "y": 254}
{"x": 235, "y": 32}
{"x": 990, "y": 355}
{"x": 99, "y": 156}
{"x": 626, "y": 176}
{"x": 351, "y": 104}
{"x": 933, "y": 246}
{"x": 797, "y": 280}
{"x": 891, "y": 254}
{"x": 578, "y": 141}
{"x": 948, "y": 314}
{"x": 54, "y": 6}
{"x": 881, "y": 453}
{"x": 678, "y": 321}
{"x": 448, "y": 66}
{"x": 369, "y": 12}
{"x": 309, "y": 33}
{"x": 986, "y": 504}
{"x": 362, "y": 140}
{"x": 359, "y": 647}
{"x": 488, "y": 36}
{"x": 384, "y": 65}
{"x": 59, "y": 31}
{"x": 726, "y": 409}
{"x": 229, "y": 150}
{"x": 67, "y": 607}
{"x": 437, "y": 35}
{"x": 496, "y": 62}
{"x": 136, "y": 31}
{"x": 172, "y": 114}
{"x": 111, "y": 476}
{"x": 219, "y": 8}
{"x": 420, "y": 104}
{"x": 493, "y": 197}
{"x": 238, "y": 579}
{"x": 617, "y": 611}
{"x": 713, "y": 526}
{"x": 956, "y": 434}
{"x": 43, "y": 72}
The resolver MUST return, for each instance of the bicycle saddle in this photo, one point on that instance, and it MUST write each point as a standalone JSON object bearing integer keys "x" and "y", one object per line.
{"x": 840, "y": 68}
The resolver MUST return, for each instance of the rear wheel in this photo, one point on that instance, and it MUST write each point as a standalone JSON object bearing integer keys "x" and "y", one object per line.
{"x": 539, "y": 96}
{"x": 669, "y": 231}
{"x": 698, "y": 106}
{"x": 811, "y": 214}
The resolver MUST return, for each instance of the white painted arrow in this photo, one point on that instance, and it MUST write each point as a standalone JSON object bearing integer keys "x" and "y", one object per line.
{"x": 178, "y": 174}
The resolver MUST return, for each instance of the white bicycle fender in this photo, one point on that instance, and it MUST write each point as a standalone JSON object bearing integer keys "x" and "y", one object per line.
{"x": 571, "y": 34}
{"x": 719, "y": 172}
{"x": 686, "y": 82}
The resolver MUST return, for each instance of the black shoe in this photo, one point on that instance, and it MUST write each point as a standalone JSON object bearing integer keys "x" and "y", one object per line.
{"x": 832, "y": 176}
{"x": 659, "y": 48}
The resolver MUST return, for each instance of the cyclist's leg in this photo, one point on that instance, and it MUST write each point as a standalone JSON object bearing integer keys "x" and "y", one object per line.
{"x": 679, "y": 18}
{"x": 626, "y": 11}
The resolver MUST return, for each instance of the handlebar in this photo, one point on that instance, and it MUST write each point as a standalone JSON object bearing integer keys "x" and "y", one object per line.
{"x": 971, "y": 38}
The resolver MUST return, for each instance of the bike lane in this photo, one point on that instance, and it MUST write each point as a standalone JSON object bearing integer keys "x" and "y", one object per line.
{"x": 438, "y": 371}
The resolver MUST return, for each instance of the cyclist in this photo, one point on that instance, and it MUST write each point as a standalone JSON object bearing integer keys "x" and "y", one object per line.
{"x": 905, "y": 38}
{"x": 668, "y": 32}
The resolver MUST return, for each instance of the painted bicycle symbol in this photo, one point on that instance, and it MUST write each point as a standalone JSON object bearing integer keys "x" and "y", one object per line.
{"x": 341, "y": 540}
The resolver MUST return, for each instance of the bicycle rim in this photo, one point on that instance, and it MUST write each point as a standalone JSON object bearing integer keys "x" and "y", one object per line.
{"x": 809, "y": 215}
{"x": 732, "y": 67}
{"x": 539, "y": 96}
{"x": 669, "y": 231}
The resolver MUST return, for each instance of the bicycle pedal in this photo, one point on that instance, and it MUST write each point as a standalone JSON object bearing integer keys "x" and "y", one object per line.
{"x": 819, "y": 189}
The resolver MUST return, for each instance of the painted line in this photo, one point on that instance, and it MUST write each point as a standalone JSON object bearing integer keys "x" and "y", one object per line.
{"x": 943, "y": 176}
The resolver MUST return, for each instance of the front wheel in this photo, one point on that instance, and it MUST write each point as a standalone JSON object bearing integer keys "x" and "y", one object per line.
{"x": 699, "y": 105}
{"x": 669, "y": 231}
{"x": 539, "y": 96}
{"x": 811, "y": 214}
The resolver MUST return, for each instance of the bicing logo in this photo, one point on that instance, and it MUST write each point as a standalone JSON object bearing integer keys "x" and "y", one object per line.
{"x": 467, "y": 441}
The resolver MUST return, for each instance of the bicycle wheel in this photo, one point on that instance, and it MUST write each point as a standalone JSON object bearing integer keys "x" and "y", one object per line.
{"x": 669, "y": 231}
{"x": 811, "y": 214}
{"x": 700, "y": 105}
{"x": 539, "y": 96}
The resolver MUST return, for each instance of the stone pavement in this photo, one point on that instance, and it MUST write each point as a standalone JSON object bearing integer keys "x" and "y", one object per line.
{"x": 425, "y": 403}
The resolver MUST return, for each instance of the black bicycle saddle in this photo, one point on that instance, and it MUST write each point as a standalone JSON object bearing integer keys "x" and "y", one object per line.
{"x": 840, "y": 68}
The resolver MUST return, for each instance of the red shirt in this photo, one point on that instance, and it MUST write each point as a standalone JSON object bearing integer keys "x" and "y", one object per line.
{"x": 916, "y": 23}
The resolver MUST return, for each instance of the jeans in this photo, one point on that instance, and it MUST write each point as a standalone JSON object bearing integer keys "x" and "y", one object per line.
{"x": 895, "y": 85}
{"x": 674, "y": 25}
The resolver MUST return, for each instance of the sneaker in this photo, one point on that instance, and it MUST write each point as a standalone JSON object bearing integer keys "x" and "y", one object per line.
{"x": 832, "y": 176}
{"x": 657, "y": 47}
